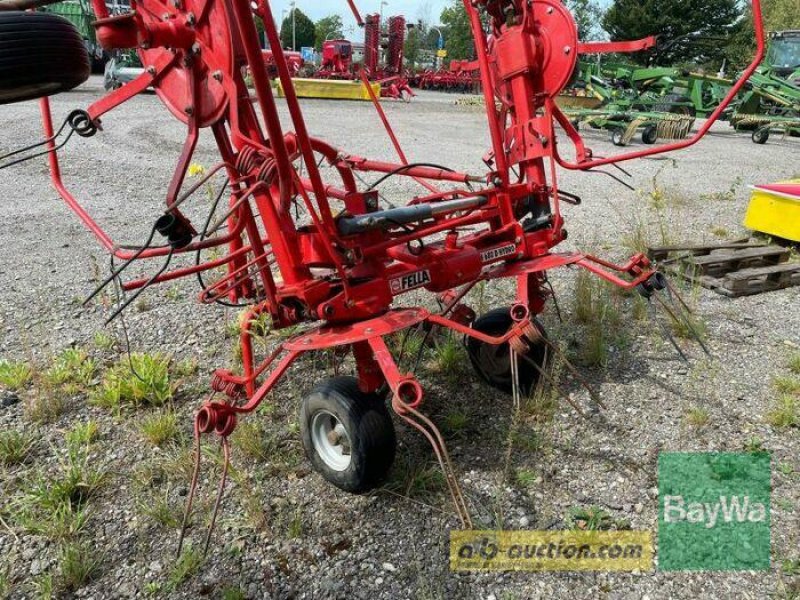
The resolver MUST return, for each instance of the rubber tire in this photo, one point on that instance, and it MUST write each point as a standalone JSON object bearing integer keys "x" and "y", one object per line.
{"x": 40, "y": 55}
{"x": 760, "y": 135}
{"x": 650, "y": 135}
{"x": 667, "y": 104}
{"x": 617, "y": 135}
{"x": 496, "y": 323}
{"x": 368, "y": 425}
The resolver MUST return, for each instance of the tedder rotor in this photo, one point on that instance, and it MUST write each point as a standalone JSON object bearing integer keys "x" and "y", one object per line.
{"x": 345, "y": 265}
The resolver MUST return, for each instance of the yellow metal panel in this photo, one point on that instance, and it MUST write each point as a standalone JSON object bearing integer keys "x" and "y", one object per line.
{"x": 330, "y": 89}
{"x": 774, "y": 214}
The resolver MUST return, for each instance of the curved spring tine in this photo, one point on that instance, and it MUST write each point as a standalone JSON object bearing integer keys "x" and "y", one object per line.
{"x": 553, "y": 383}
{"x": 117, "y": 272}
{"x": 193, "y": 488}
{"x": 431, "y": 433}
{"x": 150, "y": 281}
{"x": 226, "y": 451}
{"x": 664, "y": 330}
{"x": 575, "y": 373}
{"x": 686, "y": 321}
{"x": 37, "y": 154}
{"x": 44, "y": 142}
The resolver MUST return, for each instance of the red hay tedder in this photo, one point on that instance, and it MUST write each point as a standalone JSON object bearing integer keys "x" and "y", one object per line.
{"x": 341, "y": 266}
{"x": 337, "y": 57}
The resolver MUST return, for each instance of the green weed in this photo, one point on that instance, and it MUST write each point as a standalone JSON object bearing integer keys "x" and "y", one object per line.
{"x": 15, "y": 446}
{"x": 142, "y": 381}
{"x": 15, "y": 375}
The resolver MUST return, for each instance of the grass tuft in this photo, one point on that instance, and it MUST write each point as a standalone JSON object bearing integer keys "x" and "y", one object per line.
{"x": 15, "y": 446}
{"x": 161, "y": 510}
{"x": 597, "y": 309}
{"x": 591, "y": 518}
{"x": 794, "y": 363}
{"x": 82, "y": 434}
{"x": 413, "y": 480}
{"x": 44, "y": 408}
{"x": 186, "y": 567}
{"x": 104, "y": 341}
{"x": 786, "y": 412}
{"x": 78, "y": 565}
{"x": 160, "y": 428}
{"x": 72, "y": 371}
{"x": 142, "y": 381}
{"x": 14, "y": 375}
{"x": 786, "y": 385}
{"x": 450, "y": 357}
{"x": 697, "y": 417}
{"x": 54, "y": 504}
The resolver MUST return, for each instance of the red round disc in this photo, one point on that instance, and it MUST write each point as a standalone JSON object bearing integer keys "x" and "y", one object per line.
{"x": 557, "y": 38}
{"x": 207, "y": 64}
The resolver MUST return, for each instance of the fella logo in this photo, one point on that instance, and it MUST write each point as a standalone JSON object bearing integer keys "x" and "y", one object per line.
{"x": 411, "y": 281}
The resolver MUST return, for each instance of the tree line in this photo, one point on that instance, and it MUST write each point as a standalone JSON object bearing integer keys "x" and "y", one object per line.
{"x": 702, "y": 33}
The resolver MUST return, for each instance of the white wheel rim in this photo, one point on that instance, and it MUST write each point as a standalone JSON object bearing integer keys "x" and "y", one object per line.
{"x": 331, "y": 441}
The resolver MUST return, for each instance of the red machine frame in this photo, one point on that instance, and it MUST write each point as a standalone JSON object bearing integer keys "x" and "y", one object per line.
{"x": 346, "y": 266}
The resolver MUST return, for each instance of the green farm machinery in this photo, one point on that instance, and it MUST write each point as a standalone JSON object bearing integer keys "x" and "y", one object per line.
{"x": 81, "y": 15}
{"x": 662, "y": 102}
{"x": 771, "y": 100}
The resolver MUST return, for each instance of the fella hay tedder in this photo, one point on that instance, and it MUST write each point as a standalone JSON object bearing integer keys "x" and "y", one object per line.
{"x": 334, "y": 256}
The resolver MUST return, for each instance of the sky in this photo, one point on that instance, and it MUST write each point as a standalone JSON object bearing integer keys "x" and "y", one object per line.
{"x": 411, "y": 9}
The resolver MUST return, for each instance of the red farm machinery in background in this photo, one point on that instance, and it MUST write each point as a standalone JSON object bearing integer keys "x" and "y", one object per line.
{"x": 462, "y": 76}
{"x": 332, "y": 256}
{"x": 338, "y": 57}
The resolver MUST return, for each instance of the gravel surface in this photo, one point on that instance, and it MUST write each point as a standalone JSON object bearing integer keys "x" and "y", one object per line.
{"x": 284, "y": 532}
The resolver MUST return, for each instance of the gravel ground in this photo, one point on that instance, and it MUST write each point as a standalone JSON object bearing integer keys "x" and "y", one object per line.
{"x": 283, "y": 531}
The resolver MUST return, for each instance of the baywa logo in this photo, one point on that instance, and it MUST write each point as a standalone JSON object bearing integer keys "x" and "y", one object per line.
{"x": 714, "y": 511}
{"x": 733, "y": 509}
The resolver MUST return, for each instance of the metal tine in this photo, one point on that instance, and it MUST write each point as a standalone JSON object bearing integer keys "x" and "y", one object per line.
{"x": 431, "y": 433}
{"x": 672, "y": 293}
{"x": 553, "y": 383}
{"x": 192, "y": 488}
{"x": 575, "y": 373}
{"x": 226, "y": 451}
{"x": 37, "y": 154}
{"x": 144, "y": 288}
{"x": 664, "y": 330}
{"x": 44, "y": 142}
{"x": 685, "y": 320}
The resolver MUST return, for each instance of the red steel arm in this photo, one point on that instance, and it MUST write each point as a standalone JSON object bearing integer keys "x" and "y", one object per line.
{"x": 617, "y": 47}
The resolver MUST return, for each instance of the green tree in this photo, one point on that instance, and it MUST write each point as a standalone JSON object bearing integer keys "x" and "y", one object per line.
{"x": 779, "y": 15}
{"x": 414, "y": 44}
{"x": 297, "y": 31}
{"x": 328, "y": 28}
{"x": 588, "y": 15}
{"x": 673, "y": 20}
{"x": 458, "y": 33}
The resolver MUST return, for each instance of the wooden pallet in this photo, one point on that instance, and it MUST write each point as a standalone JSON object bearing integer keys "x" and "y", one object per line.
{"x": 733, "y": 269}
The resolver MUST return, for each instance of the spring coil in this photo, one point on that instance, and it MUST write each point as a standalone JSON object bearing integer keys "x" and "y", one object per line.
{"x": 252, "y": 161}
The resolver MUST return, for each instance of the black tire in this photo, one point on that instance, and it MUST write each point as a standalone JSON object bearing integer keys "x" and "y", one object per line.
{"x": 493, "y": 363}
{"x": 368, "y": 428}
{"x": 760, "y": 135}
{"x": 677, "y": 104}
{"x": 617, "y": 136}
{"x": 650, "y": 134}
{"x": 40, "y": 55}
